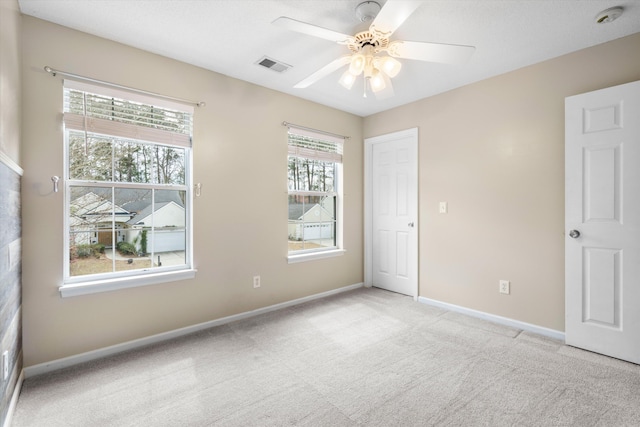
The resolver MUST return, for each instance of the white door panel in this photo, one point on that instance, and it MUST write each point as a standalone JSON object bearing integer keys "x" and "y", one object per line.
{"x": 392, "y": 176}
{"x": 602, "y": 161}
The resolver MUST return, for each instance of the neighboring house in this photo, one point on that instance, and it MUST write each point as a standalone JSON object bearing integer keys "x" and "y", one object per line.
{"x": 92, "y": 213}
{"x": 311, "y": 221}
{"x": 169, "y": 221}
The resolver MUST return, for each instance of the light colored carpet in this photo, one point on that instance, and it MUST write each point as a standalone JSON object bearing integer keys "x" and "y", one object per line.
{"x": 366, "y": 357}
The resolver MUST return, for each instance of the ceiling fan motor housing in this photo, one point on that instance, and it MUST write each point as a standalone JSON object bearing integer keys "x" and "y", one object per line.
{"x": 368, "y": 38}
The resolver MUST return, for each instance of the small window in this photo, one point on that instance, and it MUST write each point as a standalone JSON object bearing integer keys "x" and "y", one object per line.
{"x": 314, "y": 181}
{"x": 128, "y": 175}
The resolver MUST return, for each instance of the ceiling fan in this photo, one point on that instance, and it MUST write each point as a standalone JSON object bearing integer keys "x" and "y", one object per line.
{"x": 373, "y": 54}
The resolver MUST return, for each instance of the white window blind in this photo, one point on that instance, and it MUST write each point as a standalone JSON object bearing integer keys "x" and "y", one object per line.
{"x": 315, "y": 145}
{"x": 110, "y": 111}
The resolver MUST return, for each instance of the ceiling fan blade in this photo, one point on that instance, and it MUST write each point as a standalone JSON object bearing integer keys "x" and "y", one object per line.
{"x": 432, "y": 52}
{"x": 392, "y": 15}
{"x": 324, "y": 71}
{"x": 312, "y": 30}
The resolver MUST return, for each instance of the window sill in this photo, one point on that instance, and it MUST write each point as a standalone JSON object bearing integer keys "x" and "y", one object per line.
{"x": 292, "y": 259}
{"x": 97, "y": 286}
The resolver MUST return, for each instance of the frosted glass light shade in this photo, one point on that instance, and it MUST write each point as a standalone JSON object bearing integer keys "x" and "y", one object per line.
{"x": 347, "y": 79}
{"x": 358, "y": 62}
{"x": 390, "y": 66}
{"x": 377, "y": 82}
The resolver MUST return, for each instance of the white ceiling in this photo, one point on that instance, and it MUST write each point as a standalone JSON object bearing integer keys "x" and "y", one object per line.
{"x": 230, "y": 36}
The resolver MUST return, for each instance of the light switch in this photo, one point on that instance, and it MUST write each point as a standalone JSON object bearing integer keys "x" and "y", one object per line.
{"x": 443, "y": 207}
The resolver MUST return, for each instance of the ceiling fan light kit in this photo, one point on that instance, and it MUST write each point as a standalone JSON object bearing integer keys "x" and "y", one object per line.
{"x": 374, "y": 56}
{"x": 374, "y": 68}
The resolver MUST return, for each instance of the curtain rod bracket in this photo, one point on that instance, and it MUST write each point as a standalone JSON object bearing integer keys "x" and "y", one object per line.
{"x": 50, "y": 70}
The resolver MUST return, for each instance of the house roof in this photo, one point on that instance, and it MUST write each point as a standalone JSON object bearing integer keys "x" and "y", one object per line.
{"x": 131, "y": 200}
{"x": 147, "y": 211}
{"x": 133, "y": 203}
{"x": 138, "y": 201}
{"x": 298, "y": 210}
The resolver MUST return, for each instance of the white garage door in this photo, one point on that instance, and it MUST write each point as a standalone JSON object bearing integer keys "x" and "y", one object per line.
{"x": 317, "y": 231}
{"x": 168, "y": 241}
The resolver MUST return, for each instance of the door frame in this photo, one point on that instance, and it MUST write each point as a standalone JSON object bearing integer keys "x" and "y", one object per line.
{"x": 368, "y": 201}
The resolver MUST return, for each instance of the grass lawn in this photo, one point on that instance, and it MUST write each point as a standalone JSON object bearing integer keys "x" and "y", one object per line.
{"x": 91, "y": 265}
{"x": 296, "y": 245}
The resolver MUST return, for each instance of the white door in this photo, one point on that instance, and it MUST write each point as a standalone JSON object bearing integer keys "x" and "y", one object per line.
{"x": 602, "y": 214}
{"x": 392, "y": 212}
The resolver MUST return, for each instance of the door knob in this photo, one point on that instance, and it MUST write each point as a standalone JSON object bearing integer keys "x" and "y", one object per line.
{"x": 410, "y": 224}
{"x": 574, "y": 234}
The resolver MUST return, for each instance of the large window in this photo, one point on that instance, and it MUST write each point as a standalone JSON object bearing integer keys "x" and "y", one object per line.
{"x": 315, "y": 173}
{"x": 127, "y": 201}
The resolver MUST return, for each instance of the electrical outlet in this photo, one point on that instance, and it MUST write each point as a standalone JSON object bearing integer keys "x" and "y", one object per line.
{"x": 504, "y": 287}
{"x": 256, "y": 281}
{"x": 5, "y": 365}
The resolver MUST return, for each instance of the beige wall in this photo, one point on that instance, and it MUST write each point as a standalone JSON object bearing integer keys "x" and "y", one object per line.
{"x": 494, "y": 150}
{"x": 240, "y": 219}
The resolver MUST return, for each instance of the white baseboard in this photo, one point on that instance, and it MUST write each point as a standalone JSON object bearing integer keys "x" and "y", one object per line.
{"x": 551, "y": 333}
{"x": 153, "y": 339}
{"x": 14, "y": 400}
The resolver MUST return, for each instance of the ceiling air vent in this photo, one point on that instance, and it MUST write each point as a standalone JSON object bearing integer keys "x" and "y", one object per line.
{"x": 273, "y": 64}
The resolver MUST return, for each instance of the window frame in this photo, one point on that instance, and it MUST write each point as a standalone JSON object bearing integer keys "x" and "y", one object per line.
{"x": 114, "y": 280}
{"x": 338, "y": 248}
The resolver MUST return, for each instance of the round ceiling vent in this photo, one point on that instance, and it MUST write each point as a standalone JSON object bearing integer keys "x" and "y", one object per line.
{"x": 609, "y": 15}
{"x": 367, "y": 11}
